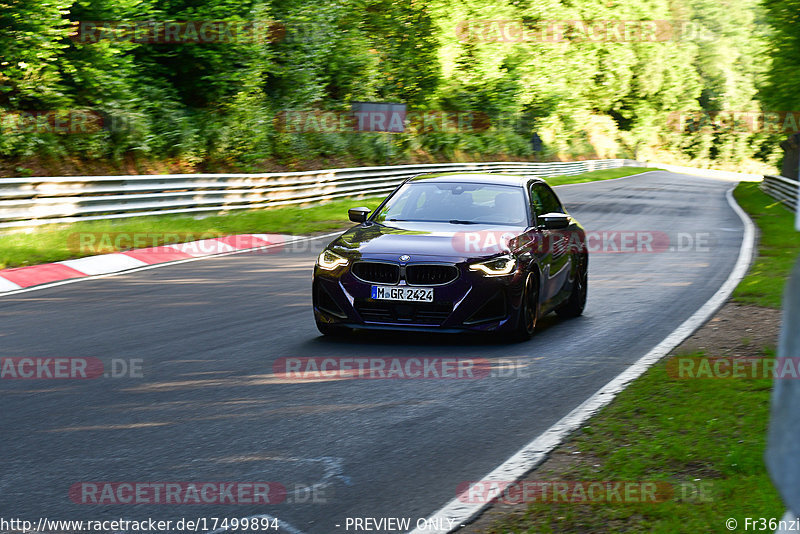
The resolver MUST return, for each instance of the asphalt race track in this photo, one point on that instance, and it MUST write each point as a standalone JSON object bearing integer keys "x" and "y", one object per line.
{"x": 208, "y": 408}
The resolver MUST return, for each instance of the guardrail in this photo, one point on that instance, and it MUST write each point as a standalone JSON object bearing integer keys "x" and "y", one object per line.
{"x": 782, "y": 189}
{"x": 35, "y": 201}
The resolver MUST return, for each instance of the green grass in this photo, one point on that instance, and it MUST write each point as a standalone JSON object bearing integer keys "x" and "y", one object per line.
{"x": 779, "y": 245}
{"x": 703, "y": 433}
{"x": 51, "y": 243}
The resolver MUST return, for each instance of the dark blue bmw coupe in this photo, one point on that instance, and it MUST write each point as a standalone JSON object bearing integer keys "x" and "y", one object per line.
{"x": 454, "y": 252}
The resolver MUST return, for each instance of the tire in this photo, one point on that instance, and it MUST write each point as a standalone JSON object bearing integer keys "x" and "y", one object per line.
{"x": 576, "y": 302}
{"x": 332, "y": 330}
{"x": 529, "y": 312}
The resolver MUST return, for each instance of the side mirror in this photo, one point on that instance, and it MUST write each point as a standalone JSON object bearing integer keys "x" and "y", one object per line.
{"x": 554, "y": 221}
{"x": 358, "y": 215}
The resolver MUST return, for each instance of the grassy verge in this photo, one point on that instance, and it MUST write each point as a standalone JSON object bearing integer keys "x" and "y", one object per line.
{"x": 705, "y": 438}
{"x": 778, "y": 247}
{"x": 58, "y": 242}
{"x": 691, "y": 433}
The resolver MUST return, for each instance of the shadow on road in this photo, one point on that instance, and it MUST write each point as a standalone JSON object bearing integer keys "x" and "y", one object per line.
{"x": 389, "y": 338}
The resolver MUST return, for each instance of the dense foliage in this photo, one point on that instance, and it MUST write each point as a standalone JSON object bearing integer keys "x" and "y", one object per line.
{"x": 215, "y": 101}
{"x": 782, "y": 89}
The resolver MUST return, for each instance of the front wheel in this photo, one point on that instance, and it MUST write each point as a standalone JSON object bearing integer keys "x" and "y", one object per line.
{"x": 576, "y": 302}
{"x": 529, "y": 314}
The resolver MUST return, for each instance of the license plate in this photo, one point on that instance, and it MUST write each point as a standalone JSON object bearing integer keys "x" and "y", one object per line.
{"x": 409, "y": 294}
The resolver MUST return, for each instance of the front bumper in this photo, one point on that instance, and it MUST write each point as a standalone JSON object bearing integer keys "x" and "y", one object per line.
{"x": 472, "y": 302}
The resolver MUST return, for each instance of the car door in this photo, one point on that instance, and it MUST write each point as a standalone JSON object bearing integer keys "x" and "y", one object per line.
{"x": 557, "y": 261}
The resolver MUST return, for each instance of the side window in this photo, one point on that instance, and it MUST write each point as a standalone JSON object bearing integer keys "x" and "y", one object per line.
{"x": 537, "y": 206}
{"x": 549, "y": 200}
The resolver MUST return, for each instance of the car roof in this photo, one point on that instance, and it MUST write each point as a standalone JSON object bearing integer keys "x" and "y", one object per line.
{"x": 477, "y": 177}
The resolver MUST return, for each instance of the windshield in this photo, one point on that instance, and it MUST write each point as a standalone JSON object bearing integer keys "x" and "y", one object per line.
{"x": 456, "y": 203}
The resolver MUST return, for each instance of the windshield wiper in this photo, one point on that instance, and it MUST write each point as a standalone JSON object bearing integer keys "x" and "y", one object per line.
{"x": 451, "y": 221}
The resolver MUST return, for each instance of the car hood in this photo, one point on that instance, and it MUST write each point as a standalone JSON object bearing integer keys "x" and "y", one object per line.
{"x": 427, "y": 239}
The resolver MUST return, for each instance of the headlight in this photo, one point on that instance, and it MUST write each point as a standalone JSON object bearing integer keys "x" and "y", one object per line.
{"x": 499, "y": 266}
{"x": 329, "y": 260}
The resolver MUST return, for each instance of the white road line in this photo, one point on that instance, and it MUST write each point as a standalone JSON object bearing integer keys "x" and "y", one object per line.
{"x": 156, "y": 266}
{"x": 333, "y": 467}
{"x": 535, "y": 452}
